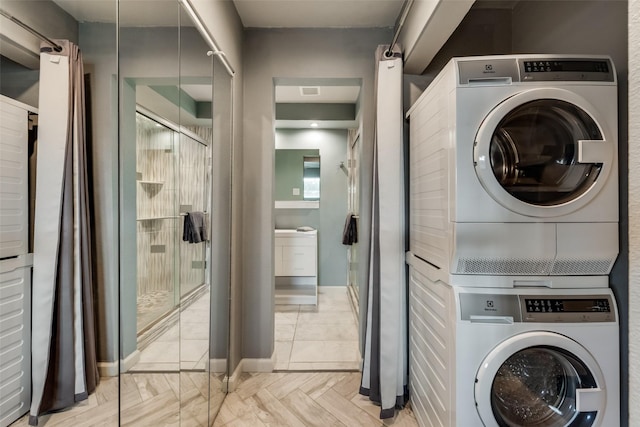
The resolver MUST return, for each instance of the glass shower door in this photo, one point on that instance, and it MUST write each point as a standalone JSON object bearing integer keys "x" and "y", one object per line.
{"x": 156, "y": 221}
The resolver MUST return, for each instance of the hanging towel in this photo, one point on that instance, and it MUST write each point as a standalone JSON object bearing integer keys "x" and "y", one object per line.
{"x": 350, "y": 233}
{"x": 195, "y": 227}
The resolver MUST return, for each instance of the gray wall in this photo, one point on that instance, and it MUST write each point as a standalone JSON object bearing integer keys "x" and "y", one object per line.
{"x": 329, "y": 219}
{"x": 580, "y": 27}
{"x": 223, "y": 23}
{"x": 280, "y": 53}
{"x": 47, "y": 18}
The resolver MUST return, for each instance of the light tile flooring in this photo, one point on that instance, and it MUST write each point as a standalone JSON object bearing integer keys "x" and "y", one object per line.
{"x": 322, "y": 337}
{"x": 304, "y": 399}
{"x": 308, "y": 338}
{"x": 183, "y": 346}
{"x": 296, "y": 399}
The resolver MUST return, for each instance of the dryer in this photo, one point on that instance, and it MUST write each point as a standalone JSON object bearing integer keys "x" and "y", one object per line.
{"x": 482, "y": 357}
{"x": 513, "y": 171}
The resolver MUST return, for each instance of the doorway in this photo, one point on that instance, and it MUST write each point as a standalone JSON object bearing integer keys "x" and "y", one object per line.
{"x": 319, "y": 330}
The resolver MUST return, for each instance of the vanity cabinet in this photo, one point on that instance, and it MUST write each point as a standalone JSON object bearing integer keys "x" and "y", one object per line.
{"x": 296, "y": 267}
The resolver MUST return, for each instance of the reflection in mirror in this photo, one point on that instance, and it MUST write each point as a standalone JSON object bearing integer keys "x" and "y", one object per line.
{"x": 297, "y": 174}
{"x": 166, "y": 145}
{"x": 311, "y": 177}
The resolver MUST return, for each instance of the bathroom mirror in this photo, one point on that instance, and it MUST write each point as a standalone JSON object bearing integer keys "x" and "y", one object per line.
{"x": 297, "y": 175}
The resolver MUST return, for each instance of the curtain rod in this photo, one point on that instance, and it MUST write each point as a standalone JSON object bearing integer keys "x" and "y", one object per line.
{"x": 207, "y": 36}
{"x": 46, "y": 39}
{"x": 403, "y": 17}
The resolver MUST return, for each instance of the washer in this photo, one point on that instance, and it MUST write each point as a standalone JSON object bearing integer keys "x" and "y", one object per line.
{"x": 514, "y": 170}
{"x": 538, "y": 357}
{"x": 492, "y": 357}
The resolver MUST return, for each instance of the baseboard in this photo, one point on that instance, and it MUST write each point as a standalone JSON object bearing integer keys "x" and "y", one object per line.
{"x": 232, "y": 381}
{"x": 259, "y": 365}
{"x": 217, "y": 365}
{"x": 112, "y": 369}
{"x": 249, "y": 365}
{"x": 130, "y": 361}
{"x": 108, "y": 369}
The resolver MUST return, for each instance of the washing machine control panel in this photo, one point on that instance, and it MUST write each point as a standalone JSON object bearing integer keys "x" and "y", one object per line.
{"x": 510, "y": 308}
{"x": 587, "y": 308}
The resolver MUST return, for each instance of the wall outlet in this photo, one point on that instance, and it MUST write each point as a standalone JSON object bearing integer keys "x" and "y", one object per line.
{"x": 296, "y": 191}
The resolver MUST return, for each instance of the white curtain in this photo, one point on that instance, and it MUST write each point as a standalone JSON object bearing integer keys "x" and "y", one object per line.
{"x": 64, "y": 368}
{"x": 384, "y": 374}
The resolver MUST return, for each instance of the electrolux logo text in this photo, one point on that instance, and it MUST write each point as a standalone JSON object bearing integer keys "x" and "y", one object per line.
{"x": 490, "y": 306}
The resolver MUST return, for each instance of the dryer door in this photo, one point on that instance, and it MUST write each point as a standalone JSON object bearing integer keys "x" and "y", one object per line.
{"x": 540, "y": 379}
{"x": 543, "y": 153}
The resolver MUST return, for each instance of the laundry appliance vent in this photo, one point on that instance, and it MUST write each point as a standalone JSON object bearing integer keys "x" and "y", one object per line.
{"x": 504, "y": 266}
{"x": 581, "y": 267}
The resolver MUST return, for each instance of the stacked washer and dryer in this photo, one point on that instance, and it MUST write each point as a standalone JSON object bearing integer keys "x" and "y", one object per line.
{"x": 513, "y": 234}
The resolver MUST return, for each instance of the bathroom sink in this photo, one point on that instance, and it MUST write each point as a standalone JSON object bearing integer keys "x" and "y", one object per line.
{"x": 282, "y": 232}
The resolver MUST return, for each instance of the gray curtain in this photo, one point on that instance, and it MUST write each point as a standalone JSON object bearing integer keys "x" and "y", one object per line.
{"x": 384, "y": 373}
{"x": 64, "y": 367}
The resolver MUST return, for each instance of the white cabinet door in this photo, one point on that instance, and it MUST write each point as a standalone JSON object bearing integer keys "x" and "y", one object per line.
{"x": 278, "y": 259}
{"x": 298, "y": 261}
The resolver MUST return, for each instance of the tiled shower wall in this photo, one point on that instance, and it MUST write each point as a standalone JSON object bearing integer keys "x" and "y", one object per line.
{"x": 171, "y": 173}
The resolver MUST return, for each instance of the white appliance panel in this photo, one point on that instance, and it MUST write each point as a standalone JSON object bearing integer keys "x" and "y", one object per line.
{"x": 450, "y": 345}
{"x": 461, "y": 215}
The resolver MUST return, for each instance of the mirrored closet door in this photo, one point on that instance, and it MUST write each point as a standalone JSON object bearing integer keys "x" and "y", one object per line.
{"x": 175, "y": 219}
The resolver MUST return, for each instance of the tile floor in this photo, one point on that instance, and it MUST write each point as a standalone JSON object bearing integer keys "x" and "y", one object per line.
{"x": 322, "y": 337}
{"x": 183, "y": 345}
{"x": 296, "y": 399}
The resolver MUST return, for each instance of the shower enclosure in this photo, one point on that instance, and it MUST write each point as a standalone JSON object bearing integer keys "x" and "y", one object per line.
{"x": 172, "y": 180}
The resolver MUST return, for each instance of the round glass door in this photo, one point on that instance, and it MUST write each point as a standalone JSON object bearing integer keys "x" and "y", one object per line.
{"x": 537, "y": 387}
{"x": 536, "y": 154}
{"x": 539, "y": 379}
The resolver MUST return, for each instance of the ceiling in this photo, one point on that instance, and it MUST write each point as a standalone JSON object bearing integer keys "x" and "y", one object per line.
{"x": 261, "y": 14}
{"x": 318, "y": 13}
{"x": 253, "y": 13}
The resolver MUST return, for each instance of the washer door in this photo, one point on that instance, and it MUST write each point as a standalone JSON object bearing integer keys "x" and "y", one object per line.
{"x": 539, "y": 379}
{"x": 542, "y": 153}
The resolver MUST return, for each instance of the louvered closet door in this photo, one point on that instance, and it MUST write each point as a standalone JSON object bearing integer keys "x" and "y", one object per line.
{"x": 14, "y": 190}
